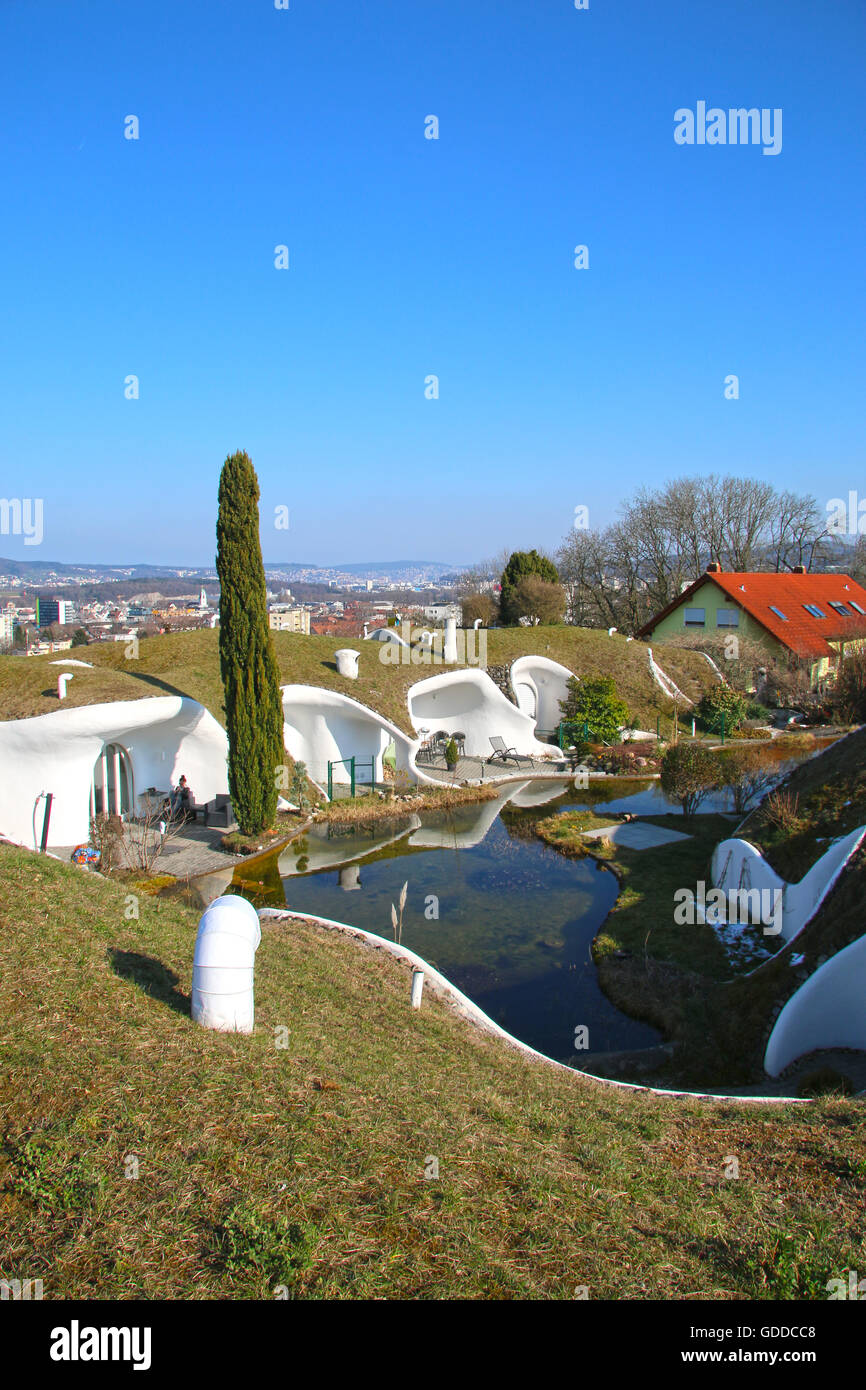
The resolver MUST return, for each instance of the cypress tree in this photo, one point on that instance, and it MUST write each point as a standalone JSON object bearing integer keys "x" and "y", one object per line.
{"x": 250, "y": 676}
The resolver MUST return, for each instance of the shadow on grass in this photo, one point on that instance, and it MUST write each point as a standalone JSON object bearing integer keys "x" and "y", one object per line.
{"x": 151, "y": 976}
{"x": 161, "y": 685}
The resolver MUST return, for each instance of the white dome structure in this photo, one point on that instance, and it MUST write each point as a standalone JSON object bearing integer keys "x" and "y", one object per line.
{"x": 738, "y": 867}
{"x": 467, "y": 701}
{"x": 103, "y": 757}
{"x": 322, "y": 726}
{"x": 826, "y": 1012}
{"x": 539, "y": 685}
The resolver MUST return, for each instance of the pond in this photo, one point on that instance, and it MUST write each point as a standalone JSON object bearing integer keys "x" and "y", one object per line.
{"x": 507, "y": 919}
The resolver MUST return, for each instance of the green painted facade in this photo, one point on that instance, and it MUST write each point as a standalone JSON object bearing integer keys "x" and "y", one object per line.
{"x": 713, "y": 601}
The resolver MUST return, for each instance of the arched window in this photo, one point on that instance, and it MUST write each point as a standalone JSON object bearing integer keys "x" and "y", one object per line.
{"x": 111, "y": 790}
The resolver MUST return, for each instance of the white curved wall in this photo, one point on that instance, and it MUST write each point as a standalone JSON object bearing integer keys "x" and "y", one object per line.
{"x": 827, "y": 1011}
{"x": 386, "y": 634}
{"x": 539, "y": 793}
{"x": 463, "y": 831}
{"x": 719, "y": 677}
{"x": 321, "y": 726}
{"x": 539, "y": 685}
{"x": 664, "y": 682}
{"x": 164, "y": 737}
{"x": 468, "y": 701}
{"x": 320, "y": 851}
{"x": 737, "y": 864}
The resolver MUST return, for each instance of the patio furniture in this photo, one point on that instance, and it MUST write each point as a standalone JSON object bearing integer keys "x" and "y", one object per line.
{"x": 427, "y": 749}
{"x": 152, "y": 800}
{"x": 460, "y": 740}
{"x": 219, "y": 811}
{"x": 501, "y": 751}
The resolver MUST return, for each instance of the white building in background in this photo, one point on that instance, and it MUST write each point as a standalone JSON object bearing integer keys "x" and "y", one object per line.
{"x": 99, "y": 759}
{"x": 439, "y": 612}
{"x": 285, "y": 617}
{"x": 7, "y": 626}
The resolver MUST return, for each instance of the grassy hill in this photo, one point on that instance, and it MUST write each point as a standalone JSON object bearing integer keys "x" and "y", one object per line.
{"x": 187, "y": 663}
{"x": 305, "y": 1165}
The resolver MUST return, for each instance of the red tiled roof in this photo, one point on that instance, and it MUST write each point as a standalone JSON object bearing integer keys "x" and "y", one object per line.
{"x": 329, "y": 627}
{"x": 800, "y": 631}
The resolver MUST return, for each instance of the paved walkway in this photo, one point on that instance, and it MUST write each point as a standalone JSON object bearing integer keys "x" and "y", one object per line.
{"x": 636, "y": 835}
{"x": 188, "y": 850}
{"x": 480, "y": 770}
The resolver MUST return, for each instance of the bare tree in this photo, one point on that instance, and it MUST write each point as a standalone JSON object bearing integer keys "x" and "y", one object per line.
{"x": 665, "y": 538}
{"x": 799, "y": 533}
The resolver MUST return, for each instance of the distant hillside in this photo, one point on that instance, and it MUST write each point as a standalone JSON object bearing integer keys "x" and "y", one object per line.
{"x": 43, "y": 571}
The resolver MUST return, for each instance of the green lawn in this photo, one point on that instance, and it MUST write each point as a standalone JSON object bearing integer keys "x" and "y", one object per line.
{"x": 305, "y": 1165}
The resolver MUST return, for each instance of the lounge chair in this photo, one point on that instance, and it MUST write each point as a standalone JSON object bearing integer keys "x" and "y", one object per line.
{"x": 500, "y": 751}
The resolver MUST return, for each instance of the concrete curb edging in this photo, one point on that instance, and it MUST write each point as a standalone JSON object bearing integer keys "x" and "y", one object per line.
{"x": 469, "y": 1011}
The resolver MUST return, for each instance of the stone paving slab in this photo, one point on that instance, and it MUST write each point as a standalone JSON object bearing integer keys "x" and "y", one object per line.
{"x": 480, "y": 770}
{"x": 191, "y": 850}
{"x": 636, "y": 835}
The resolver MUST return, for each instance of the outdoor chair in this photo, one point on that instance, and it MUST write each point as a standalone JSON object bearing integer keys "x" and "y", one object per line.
{"x": 219, "y": 811}
{"x": 460, "y": 740}
{"x": 427, "y": 749}
{"x": 504, "y": 753}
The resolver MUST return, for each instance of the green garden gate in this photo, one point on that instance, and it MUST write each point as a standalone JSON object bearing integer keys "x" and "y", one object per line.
{"x": 355, "y": 765}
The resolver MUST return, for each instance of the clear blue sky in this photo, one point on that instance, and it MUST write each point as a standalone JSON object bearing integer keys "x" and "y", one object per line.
{"x": 410, "y": 257}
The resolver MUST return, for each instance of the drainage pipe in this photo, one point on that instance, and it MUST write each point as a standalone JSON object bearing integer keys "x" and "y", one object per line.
{"x": 223, "y": 965}
{"x": 49, "y": 801}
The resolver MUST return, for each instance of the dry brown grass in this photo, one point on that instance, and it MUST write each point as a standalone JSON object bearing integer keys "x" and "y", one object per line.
{"x": 187, "y": 663}
{"x": 305, "y": 1165}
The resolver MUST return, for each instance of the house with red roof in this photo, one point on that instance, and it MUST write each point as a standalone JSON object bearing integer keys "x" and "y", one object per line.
{"x": 811, "y": 618}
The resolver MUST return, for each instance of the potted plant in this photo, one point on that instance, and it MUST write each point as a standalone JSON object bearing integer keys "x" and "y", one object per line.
{"x": 452, "y": 757}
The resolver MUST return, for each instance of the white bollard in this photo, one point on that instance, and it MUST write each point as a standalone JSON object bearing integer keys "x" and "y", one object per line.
{"x": 417, "y": 988}
{"x": 347, "y": 662}
{"x": 62, "y": 682}
{"x": 223, "y": 965}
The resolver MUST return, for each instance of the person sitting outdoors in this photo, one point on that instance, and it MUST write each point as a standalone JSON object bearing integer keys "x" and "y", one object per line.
{"x": 179, "y": 803}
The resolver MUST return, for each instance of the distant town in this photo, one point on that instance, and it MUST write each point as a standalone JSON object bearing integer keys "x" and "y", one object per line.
{"x": 49, "y": 608}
